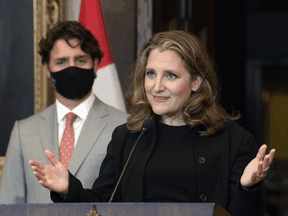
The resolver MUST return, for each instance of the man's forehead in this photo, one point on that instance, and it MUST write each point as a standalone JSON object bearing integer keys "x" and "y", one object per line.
{"x": 62, "y": 44}
{"x": 73, "y": 41}
{"x": 62, "y": 49}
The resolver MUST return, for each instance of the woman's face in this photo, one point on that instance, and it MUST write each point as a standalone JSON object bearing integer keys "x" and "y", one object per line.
{"x": 167, "y": 84}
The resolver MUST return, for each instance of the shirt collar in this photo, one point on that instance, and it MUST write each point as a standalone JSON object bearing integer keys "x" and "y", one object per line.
{"x": 81, "y": 110}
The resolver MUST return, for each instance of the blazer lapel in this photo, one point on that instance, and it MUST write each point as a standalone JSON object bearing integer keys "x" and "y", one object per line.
{"x": 132, "y": 182}
{"x": 48, "y": 130}
{"x": 90, "y": 132}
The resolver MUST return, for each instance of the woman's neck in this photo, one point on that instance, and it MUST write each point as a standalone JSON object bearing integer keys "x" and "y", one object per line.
{"x": 176, "y": 120}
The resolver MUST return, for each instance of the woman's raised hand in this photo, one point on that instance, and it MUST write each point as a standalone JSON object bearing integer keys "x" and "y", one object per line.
{"x": 53, "y": 177}
{"x": 258, "y": 168}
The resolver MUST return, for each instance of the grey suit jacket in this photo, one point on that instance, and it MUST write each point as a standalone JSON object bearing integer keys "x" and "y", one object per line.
{"x": 31, "y": 136}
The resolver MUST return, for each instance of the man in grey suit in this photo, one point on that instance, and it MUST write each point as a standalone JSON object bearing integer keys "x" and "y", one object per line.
{"x": 70, "y": 54}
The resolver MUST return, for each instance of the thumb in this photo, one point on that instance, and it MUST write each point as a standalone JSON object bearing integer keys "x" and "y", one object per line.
{"x": 51, "y": 157}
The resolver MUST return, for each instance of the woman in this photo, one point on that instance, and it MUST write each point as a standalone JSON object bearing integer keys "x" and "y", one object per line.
{"x": 192, "y": 152}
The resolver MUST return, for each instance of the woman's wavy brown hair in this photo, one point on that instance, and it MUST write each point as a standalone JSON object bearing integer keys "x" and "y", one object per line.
{"x": 202, "y": 108}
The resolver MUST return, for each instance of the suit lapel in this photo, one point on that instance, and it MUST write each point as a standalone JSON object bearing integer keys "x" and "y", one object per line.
{"x": 48, "y": 130}
{"x": 92, "y": 129}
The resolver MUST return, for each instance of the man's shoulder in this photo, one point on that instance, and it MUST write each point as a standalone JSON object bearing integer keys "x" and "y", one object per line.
{"x": 107, "y": 111}
{"x": 115, "y": 117}
{"x": 38, "y": 116}
{"x": 115, "y": 111}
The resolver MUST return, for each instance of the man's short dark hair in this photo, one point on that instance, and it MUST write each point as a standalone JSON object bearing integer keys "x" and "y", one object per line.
{"x": 69, "y": 30}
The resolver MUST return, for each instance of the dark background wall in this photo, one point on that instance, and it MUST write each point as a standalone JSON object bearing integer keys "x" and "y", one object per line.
{"x": 267, "y": 46}
{"x": 230, "y": 54}
{"x": 16, "y": 65}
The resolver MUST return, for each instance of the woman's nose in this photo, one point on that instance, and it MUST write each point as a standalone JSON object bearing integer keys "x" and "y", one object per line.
{"x": 158, "y": 87}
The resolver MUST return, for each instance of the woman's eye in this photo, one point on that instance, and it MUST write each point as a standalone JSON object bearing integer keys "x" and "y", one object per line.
{"x": 171, "y": 76}
{"x": 150, "y": 74}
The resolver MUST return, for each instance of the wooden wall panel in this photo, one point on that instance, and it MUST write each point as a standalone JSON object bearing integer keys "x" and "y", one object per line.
{"x": 45, "y": 13}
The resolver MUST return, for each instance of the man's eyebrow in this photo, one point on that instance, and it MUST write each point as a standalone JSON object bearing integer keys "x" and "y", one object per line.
{"x": 62, "y": 59}
{"x": 80, "y": 56}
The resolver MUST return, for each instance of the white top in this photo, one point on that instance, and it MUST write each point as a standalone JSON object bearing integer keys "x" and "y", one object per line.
{"x": 81, "y": 111}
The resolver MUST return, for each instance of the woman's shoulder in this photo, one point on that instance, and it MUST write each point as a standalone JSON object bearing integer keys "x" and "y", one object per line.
{"x": 121, "y": 129}
{"x": 237, "y": 132}
{"x": 230, "y": 127}
{"x": 233, "y": 126}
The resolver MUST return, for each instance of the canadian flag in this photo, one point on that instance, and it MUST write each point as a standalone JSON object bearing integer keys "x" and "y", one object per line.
{"x": 106, "y": 86}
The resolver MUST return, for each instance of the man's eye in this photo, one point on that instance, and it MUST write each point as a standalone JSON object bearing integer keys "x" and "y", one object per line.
{"x": 81, "y": 61}
{"x": 59, "y": 62}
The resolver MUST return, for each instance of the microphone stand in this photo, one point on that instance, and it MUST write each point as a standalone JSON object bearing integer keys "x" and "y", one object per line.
{"x": 144, "y": 129}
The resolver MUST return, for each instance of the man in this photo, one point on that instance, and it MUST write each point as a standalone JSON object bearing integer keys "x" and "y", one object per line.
{"x": 76, "y": 128}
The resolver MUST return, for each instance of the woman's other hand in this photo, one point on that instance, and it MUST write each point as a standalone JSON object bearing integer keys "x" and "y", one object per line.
{"x": 258, "y": 168}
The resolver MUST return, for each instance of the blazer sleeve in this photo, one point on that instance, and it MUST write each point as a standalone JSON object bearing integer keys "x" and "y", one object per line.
{"x": 245, "y": 202}
{"x": 103, "y": 186}
{"x": 13, "y": 187}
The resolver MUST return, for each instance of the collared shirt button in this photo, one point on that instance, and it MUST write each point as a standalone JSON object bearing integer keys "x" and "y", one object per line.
{"x": 202, "y": 160}
{"x": 203, "y": 197}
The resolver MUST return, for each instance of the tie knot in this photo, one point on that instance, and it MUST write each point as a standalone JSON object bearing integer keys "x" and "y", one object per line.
{"x": 70, "y": 118}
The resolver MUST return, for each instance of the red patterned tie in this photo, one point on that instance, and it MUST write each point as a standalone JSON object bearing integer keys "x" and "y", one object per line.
{"x": 67, "y": 141}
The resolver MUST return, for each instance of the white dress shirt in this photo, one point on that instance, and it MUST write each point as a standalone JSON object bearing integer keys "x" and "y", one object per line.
{"x": 81, "y": 111}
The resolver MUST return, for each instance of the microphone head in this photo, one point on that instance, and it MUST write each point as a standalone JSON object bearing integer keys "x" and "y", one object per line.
{"x": 148, "y": 123}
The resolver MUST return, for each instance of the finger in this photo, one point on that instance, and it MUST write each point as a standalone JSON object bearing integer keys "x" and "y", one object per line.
{"x": 35, "y": 163}
{"x": 259, "y": 171}
{"x": 35, "y": 168}
{"x": 261, "y": 152}
{"x": 39, "y": 176}
{"x": 266, "y": 161}
{"x": 51, "y": 157}
{"x": 32, "y": 162}
{"x": 271, "y": 155}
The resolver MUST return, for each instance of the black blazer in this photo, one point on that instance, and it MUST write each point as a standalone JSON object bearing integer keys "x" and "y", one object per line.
{"x": 220, "y": 160}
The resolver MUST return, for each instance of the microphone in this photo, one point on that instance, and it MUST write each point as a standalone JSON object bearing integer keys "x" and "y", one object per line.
{"x": 148, "y": 123}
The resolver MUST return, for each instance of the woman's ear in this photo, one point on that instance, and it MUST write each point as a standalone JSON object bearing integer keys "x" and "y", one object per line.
{"x": 196, "y": 84}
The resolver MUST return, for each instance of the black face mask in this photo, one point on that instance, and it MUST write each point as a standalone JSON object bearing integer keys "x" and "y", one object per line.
{"x": 73, "y": 82}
